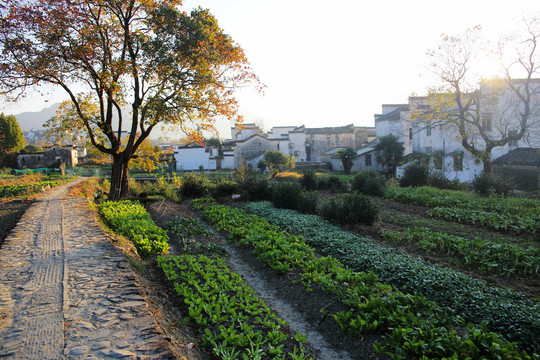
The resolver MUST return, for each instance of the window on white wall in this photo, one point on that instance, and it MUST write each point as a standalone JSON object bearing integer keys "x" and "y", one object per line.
{"x": 512, "y": 136}
{"x": 458, "y": 162}
{"x": 368, "y": 160}
{"x": 428, "y": 130}
{"x": 487, "y": 120}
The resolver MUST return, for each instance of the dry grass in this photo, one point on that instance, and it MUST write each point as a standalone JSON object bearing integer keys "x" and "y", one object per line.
{"x": 87, "y": 189}
{"x": 22, "y": 180}
{"x": 286, "y": 174}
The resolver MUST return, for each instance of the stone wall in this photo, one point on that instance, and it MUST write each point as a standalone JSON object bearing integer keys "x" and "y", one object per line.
{"x": 49, "y": 158}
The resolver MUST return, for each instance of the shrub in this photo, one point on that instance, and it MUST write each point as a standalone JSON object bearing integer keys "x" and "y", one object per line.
{"x": 415, "y": 175}
{"x": 224, "y": 188}
{"x": 309, "y": 180}
{"x": 322, "y": 181}
{"x": 308, "y": 202}
{"x": 439, "y": 180}
{"x": 350, "y": 209}
{"x": 286, "y": 194}
{"x": 195, "y": 185}
{"x": 336, "y": 184}
{"x": 253, "y": 186}
{"x": 488, "y": 183}
{"x": 370, "y": 183}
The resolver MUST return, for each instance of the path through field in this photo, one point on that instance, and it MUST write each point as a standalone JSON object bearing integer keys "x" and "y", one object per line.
{"x": 67, "y": 292}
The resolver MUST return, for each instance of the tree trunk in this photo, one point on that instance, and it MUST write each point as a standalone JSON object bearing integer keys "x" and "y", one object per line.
{"x": 124, "y": 189}
{"x": 119, "y": 178}
{"x": 487, "y": 165}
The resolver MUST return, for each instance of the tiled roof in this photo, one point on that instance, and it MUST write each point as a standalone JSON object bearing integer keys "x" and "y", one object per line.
{"x": 520, "y": 156}
{"x": 392, "y": 115}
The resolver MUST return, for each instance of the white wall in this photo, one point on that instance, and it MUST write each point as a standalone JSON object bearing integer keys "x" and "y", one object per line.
{"x": 298, "y": 139}
{"x": 188, "y": 159}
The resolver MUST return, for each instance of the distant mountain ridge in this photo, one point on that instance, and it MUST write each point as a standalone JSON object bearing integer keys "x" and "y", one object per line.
{"x": 36, "y": 119}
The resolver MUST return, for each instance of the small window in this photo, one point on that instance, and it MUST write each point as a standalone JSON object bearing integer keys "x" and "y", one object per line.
{"x": 512, "y": 138}
{"x": 368, "y": 160}
{"x": 458, "y": 162}
{"x": 410, "y": 133}
{"x": 487, "y": 120}
{"x": 428, "y": 130}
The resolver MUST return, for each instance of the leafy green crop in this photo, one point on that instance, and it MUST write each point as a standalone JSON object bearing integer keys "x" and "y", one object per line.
{"x": 235, "y": 321}
{"x": 130, "y": 219}
{"x": 511, "y": 214}
{"x": 374, "y": 307}
{"x": 487, "y": 256}
{"x": 506, "y": 312}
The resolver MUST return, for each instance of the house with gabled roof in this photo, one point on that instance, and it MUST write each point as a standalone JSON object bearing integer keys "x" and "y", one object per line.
{"x": 251, "y": 149}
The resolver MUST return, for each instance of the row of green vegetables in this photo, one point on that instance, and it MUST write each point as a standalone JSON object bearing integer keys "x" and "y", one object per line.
{"x": 237, "y": 324}
{"x": 505, "y": 312}
{"x": 511, "y": 214}
{"x": 26, "y": 189}
{"x": 130, "y": 219}
{"x": 414, "y": 327}
{"x": 499, "y": 258}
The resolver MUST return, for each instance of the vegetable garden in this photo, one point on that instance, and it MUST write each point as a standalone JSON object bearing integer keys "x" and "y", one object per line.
{"x": 407, "y": 304}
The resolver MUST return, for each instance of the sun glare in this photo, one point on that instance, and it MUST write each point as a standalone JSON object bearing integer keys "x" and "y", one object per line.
{"x": 488, "y": 68}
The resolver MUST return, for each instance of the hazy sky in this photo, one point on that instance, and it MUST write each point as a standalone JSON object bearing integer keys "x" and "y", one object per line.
{"x": 332, "y": 63}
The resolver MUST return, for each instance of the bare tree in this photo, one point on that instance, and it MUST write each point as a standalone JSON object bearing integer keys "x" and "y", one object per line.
{"x": 483, "y": 113}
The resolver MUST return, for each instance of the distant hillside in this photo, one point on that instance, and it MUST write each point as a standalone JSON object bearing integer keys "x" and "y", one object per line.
{"x": 29, "y": 120}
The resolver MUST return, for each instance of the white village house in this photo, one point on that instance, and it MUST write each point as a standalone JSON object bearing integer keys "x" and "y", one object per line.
{"x": 320, "y": 145}
{"x": 444, "y": 146}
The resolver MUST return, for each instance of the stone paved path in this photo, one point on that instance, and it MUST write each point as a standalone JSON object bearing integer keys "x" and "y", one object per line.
{"x": 67, "y": 293}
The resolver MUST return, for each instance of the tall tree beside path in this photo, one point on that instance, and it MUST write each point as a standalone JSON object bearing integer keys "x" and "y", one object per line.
{"x": 483, "y": 114}
{"x": 11, "y": 135}
{"x": 168, "y": 67}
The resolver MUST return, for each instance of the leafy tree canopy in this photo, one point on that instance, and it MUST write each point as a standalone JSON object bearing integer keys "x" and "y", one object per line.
{"x": 347, "y": 157}
{"x": 11, "y": 135}
{"x": 274, "y": 159}
{"x": 389, "y": 151}
{"x": 127, "y": 67}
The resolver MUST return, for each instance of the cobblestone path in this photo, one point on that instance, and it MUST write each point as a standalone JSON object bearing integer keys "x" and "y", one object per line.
{"x": 67, "y": 293}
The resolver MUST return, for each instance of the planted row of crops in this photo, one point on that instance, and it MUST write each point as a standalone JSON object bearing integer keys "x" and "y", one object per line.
{"x": 130, "y": 219}
{"x": 26, "y": 189}
{"x": 509, "y": 214}
{"x": 505, "y": 312}
{"x": 414, "y": 327}
{"x": 499, "y": 258}
{"x": 237, "y": 324}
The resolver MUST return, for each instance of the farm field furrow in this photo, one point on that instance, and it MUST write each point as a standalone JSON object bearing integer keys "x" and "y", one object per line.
{"x": 374, "y": 307}
{"x": 508, "y": 312}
